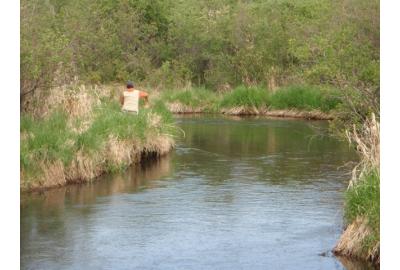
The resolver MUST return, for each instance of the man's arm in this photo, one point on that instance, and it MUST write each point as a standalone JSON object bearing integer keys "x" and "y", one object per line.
{"x": 144, "y": 95}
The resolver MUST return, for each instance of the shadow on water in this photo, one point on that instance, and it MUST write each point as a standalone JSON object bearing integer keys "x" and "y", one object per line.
{"x": 134, "y": 179}
{"x": 237, "y": 193}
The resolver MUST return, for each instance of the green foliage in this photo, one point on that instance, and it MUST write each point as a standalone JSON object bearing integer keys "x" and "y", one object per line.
{"x": 56, "y": 137}
{"x": 216, "y": 44}
{"x": 244, "y": 96}
{"x": 45, "y": 140}
{"x": 292, "y": 97}
{"x": 305, "y": 98}
{"x": 160, "y": 109}
{"x": 364, "y": 200}
{"x": 195, "y": 98}
{"x": 109, "y": 120}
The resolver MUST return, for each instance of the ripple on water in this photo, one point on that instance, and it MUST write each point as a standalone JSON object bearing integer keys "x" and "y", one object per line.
{"x": 249, "y": 193}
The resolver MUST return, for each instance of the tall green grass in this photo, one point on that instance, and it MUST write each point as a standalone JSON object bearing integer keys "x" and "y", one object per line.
{"x": 305, "y": 98}
{"x": 244, "y": 96}
{"x": 294, "y": 97}
{"x": 45, "y": 139}
{"x": 195, "y": 98}
{"x": 54, "y": 137}
{"x": 363, "y": 200}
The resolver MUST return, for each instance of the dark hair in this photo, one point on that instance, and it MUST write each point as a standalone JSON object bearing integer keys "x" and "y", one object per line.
{"x": 129, "y": 84}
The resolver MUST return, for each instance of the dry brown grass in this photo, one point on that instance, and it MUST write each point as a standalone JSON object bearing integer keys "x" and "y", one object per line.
{"x": 353, "y": 239}
{"x": 160, "y": 145}
{"x": 177, "y": 107}
{"x": 368, "y": 145}
{"x": 352, "y": 243}
{"x": 86, "y": 167}
{"x": 77, "y": 99}
{"x": 53, "y": 175}
{"x": 243, "y": 110}
{"x": 312, "y": 115}
{"x": 78, "y": 102}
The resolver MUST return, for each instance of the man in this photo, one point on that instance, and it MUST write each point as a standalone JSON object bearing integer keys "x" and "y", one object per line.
{"x": 130, "y": 98}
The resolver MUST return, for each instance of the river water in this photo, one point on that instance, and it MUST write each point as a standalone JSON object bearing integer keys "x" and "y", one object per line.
{"x": 237, "y": 193}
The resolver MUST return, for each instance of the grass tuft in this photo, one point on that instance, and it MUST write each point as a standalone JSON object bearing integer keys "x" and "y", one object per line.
{"x": 56, "y": 140}
{"x": 45, "y": 140}
{"x": 193, "y": 98}
{"x": 247, "y": 97}
{"x": 363, "y": 200}
{"x": 305, "y": 98}
{"x": 252, "y": 99}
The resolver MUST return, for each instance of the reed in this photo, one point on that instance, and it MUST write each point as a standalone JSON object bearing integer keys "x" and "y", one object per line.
{"x": 361, "y": 238}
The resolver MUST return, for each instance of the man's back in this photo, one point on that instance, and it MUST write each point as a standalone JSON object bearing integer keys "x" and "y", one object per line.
{"x": 131, "y": 101}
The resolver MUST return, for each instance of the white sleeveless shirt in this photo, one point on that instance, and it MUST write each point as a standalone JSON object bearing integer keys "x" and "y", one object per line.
{"x": 131, "y": 101}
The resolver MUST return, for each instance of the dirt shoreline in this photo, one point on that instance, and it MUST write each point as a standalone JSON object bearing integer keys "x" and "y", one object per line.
{"x": 178, "y": 108}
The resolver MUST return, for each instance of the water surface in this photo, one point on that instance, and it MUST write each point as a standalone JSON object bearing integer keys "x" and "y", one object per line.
{"x": 237, "y": 193}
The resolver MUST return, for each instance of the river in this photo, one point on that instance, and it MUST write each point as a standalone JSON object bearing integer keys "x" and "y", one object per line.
{"x": 236, "y": 193}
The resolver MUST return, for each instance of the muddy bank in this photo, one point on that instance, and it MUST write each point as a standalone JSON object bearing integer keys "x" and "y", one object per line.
{"x": 117, "y": 154}
{"x": 179, "y": 108}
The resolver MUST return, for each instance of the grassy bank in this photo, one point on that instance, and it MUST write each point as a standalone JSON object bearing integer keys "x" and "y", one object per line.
{"x": 361, "y": 239}
{"x": 294, "y": 101}
{"x": 67, "y": 145}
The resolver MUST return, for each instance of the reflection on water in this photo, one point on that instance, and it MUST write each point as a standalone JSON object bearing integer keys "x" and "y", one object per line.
{"x": 238, "y": 193}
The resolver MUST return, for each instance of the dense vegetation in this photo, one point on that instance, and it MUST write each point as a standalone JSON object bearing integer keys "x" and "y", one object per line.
{"x": 363, "y": 201}
{"x": 281, "y": 54}
{"x": 59, "y": 137}
{"x": 304, "y": 98}
{"x": 215, "y": 44}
